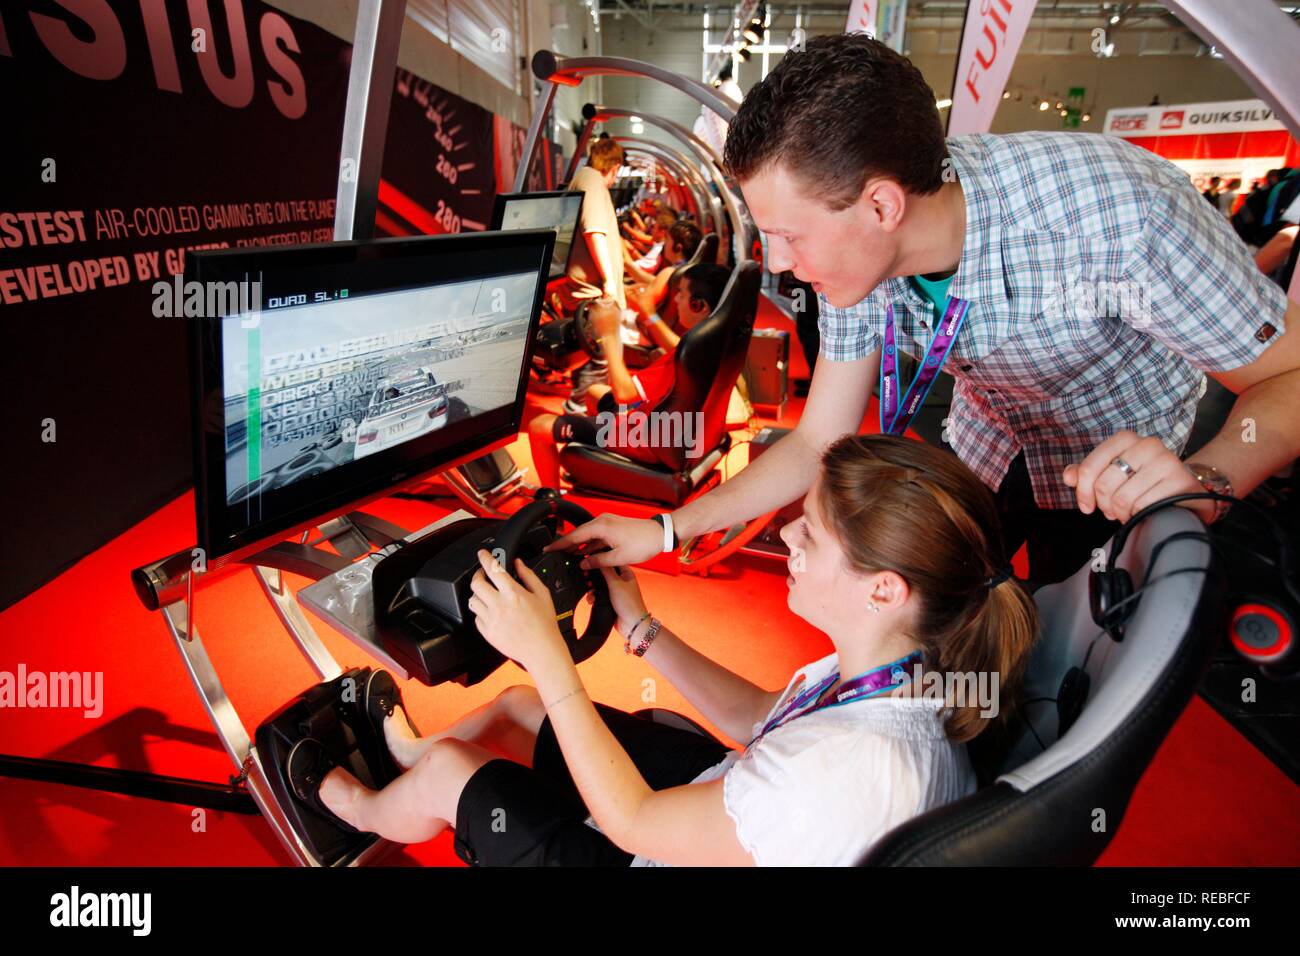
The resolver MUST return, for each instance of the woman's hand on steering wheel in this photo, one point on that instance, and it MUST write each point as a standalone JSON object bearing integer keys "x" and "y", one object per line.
{"x": 517, "y": 619}
{"x": 625, "y": 595}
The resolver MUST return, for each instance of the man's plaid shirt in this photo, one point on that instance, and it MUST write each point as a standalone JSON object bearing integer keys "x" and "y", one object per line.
{"x": 1102, "y": 285}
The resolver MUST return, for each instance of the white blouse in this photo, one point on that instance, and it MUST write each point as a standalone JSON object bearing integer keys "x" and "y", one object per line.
{"x": 822, "y": 789}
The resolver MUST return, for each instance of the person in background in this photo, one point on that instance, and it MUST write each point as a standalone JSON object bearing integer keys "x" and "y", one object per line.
{"x": 1212, "y": 193}
{"x": 651, "y": 260}
{"x": 1276, "y": 253}
{"x": 596, "y": 261}
{"x": 647, "y": 296}
{"x": 1228, "y": 196}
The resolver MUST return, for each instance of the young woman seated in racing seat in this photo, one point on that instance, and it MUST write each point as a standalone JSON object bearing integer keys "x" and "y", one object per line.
{"x": 856, "y": 743}
{"x": 647, "y": 296}
{"x": 698, "y": 294}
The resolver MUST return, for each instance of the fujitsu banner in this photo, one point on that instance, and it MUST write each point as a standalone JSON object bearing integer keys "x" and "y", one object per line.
{"x": 862, "y": 17}
{"x": 992, "y": 36}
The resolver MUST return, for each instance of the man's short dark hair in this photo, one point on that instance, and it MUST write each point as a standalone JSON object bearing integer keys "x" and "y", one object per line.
{"x": 686, "y": 235}
{"x": 845, "y": 109}
{"x": 707, "y": 281}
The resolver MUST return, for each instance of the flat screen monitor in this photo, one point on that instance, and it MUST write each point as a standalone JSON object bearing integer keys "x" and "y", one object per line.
{"x": 326, "y": 374}
{"x": 553, "y": 210}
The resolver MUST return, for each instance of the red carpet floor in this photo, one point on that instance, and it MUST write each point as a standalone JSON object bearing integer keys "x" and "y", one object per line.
{"x": 1209, "y": 797}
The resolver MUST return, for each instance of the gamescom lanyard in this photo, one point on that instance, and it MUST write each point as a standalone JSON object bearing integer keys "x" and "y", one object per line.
{"x": 885, "y": 677}
{"x": 893, "y": 419}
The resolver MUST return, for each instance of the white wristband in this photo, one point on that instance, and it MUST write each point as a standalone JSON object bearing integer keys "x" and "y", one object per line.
{"x": 668, "y": 532}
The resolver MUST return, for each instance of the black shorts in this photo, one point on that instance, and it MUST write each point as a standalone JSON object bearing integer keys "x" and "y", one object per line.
{"x": 510, "y": 815}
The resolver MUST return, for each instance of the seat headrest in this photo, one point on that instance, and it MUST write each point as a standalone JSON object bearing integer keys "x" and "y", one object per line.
{"x": 707, "y": 363}
{"x": 1120, "y": 674}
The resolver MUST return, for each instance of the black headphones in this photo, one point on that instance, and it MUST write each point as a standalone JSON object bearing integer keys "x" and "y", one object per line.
{"x": 1261, "y": 628}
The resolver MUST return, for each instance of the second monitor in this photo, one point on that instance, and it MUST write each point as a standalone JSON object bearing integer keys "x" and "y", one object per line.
{"x": 553, "y": 210}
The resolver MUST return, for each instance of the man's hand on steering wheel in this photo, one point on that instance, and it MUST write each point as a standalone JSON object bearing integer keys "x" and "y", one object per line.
{"x": 631, "y": 540}
{"x": 605, "y": 315}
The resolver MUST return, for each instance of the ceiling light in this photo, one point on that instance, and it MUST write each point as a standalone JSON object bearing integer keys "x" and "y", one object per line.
{"x": 1043, "y": 105}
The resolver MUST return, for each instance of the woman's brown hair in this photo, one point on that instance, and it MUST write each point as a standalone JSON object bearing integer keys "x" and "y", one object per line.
{"x": 900, "y": 505}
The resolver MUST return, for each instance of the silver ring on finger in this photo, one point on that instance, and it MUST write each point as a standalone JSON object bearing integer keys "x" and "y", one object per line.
{"x": 1122, "y": 465}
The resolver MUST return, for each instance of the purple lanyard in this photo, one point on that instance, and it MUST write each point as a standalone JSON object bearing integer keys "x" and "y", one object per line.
{"x": 885, "y": 677}
{"x": 893, "y": 420}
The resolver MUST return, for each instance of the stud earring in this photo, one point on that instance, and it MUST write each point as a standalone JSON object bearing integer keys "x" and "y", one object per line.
{"x": 871, "y": 606}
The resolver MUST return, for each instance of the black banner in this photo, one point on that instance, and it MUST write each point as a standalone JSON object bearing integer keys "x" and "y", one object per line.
{"x": 137, "y": 132}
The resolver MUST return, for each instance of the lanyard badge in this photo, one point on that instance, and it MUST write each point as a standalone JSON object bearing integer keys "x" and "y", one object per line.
{"x": 876, "y": 681}
{"x": 895, "y": 413}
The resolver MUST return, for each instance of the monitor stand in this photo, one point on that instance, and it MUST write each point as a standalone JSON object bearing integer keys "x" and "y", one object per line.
{"x": 167, "y": 586}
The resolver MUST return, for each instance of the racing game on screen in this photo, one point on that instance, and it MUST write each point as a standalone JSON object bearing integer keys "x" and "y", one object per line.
{"x": 312, "y": 386}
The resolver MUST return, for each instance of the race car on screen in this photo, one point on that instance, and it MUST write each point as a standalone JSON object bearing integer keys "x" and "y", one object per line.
{"x": 402, "y": 408}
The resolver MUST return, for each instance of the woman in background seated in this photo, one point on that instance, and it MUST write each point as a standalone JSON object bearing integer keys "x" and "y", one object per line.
{"x": 898, "y": 559}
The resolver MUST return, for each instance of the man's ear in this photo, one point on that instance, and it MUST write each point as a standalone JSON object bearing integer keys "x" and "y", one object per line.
{"x": 885, "y": 202}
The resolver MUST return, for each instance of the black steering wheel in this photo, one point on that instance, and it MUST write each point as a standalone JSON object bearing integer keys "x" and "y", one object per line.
{"x": 586, "y": 330}
{"x": 562, "y": 572}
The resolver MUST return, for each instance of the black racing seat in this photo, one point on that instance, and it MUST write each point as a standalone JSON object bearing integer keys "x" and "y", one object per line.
{"x": 1048, "y": 799}
{"x": 707, "y": 363}
{"x": 706, "y": 251}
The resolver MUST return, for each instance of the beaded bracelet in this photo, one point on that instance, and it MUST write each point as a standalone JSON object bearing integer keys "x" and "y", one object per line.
{"x": 655, "y": 625}
{"x": 627, "y": 644}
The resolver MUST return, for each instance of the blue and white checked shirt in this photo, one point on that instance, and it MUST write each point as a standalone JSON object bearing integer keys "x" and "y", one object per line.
{"x": 1102, "y": 285}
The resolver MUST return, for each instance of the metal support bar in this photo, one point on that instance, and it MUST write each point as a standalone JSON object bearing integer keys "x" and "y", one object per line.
{"x": 1259, "y": 40}
{"x": 579, "y": 152}
{"x": 365, "y": 122}
{"x": 572, "y": 70}
{"x": 296, "y": 623}
{"x": 534, "y": 134}
{"x": 741, "y": 225}
{"x": 693, "y": 187}
{"x": 685, "y": 169}
{"x": 132, "y": 783}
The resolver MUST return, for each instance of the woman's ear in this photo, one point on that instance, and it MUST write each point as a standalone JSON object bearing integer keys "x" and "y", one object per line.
{"x": 890, "y": 591}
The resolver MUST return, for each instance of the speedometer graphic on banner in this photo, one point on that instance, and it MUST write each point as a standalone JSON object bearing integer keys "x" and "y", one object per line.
{"x": 439, "y": 150}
